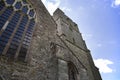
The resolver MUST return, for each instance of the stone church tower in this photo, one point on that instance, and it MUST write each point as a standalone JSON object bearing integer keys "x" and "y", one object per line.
{"x": 37, "y": 46}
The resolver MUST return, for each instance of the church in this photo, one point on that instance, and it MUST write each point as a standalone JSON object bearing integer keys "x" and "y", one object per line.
{"x": 37, "y": 46}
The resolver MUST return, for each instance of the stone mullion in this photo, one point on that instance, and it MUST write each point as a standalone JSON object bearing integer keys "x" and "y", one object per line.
{"x": 23, "y": 35}
{"x": 27, "y": 58}
{"x": 11, "y": 37}
{"x": 10, "y": 17}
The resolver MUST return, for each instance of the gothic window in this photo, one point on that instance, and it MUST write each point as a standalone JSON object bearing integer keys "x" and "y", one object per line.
{"x": 25, "y": 9}
{"x": 72, "y": 71}
{"x": 17, "y": 36}
{"x": 4, "y": 16}
{"x": 31, "y": 13}
{"x": 26, "y": 40}
{"x": 18, "y": 5}
{"x": 17, "y": 20}
{"x": 10, "y": 1}
{"x": 2, "y": 4}
{"x": 9, "y": 30}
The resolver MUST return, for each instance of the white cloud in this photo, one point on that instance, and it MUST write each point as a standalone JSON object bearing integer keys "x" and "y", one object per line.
{"x": 115, "y": 3}
{"x": 51, "y": 5}
{"x": 87, "y": 36}
{"x": 99, "y": 45}
{"x": 43, "y": 1}
{"x": 102, "y": 64}
{"x": 66, "y": 9}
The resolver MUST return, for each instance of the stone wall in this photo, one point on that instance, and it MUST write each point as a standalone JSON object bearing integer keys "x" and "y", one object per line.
{"x": 73, "y": 48}
{"x": 55, "y": 43}
{"x": 41, "y": 62}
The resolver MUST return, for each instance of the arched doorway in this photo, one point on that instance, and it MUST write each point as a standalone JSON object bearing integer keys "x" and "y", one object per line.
{"x": 72, "y": 71}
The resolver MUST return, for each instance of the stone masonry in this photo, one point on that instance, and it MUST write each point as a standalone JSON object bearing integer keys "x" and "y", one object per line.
{"x": 57, "y": 51}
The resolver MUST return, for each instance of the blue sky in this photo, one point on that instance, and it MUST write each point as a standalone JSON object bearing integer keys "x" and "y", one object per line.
{"x": 99, "y": 23}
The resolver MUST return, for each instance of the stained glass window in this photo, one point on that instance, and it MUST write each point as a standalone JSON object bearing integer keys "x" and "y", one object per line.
{"x": 17, "y": 37}
{"x": 16, "y": 28}
{"x": 10, "y": 1}
{"x": 4, "y": 17}
{"x": 31, "y": 13}
{"x": 18, "y": 5}
{"x": 26, "y": 41}
{"x": 1, "y": 5}
{"x": 25, "y": 9}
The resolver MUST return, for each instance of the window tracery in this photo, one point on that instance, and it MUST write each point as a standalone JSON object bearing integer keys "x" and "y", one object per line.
{"x": 17, "y": 20}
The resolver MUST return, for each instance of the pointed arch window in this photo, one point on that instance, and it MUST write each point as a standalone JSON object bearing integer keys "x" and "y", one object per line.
{"x": 17, "y": 20}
